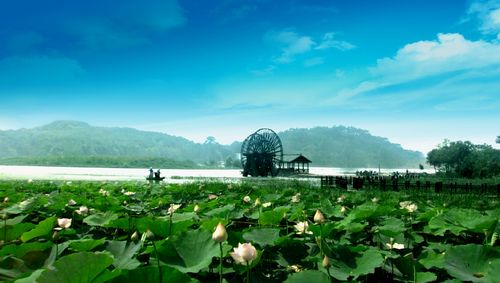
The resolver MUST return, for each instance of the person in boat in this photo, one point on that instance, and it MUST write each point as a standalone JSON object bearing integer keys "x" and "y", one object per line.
{"x": 150, "y": 173}
{"x": 157, "y": 174}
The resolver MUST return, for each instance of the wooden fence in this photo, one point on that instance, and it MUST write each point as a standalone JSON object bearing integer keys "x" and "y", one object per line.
{"x": 398, "y": 184}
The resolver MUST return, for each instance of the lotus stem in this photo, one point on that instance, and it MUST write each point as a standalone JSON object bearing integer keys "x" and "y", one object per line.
{"x": 160, "y": 279}
{"x": 248, "y": 272}
{"x": 170, "y": 225}
{"x": 220, "y": 262}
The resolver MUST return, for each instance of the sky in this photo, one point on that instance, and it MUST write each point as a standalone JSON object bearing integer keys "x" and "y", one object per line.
{"x": 416, "y": 72}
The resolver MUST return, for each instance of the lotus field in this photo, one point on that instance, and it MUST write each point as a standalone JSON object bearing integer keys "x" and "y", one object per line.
{"x": 253, "y": 231}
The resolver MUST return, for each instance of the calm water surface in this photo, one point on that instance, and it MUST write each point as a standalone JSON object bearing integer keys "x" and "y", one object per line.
{"x": 172, "y": 175}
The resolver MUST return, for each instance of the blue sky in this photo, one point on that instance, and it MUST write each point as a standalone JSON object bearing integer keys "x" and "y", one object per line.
{"x": 416, "y": 72}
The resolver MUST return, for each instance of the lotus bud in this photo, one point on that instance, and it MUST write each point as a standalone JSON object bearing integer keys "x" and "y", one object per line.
{"x": 247, "y": 199}
{"x": 6, "y": 199}
{"x": 257, "y": 202}
{"x": 343, "y": 209}
{"x": 326, "y": 262}
{"x": 134, "y": 236}
{"x": 196, "y": 208}
{"x": 220, "y": 234}
{"x": 149, "y": 234}
{"x": 319, "y": 217}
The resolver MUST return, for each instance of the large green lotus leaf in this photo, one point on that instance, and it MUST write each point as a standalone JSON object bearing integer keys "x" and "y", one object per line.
{"x": 14, "y": 232}
{"x": 355, "y": 265}
{"x": 221, "y": 212}
{"x": 77, "y": 268}
{"x": 44, "y": 228}
{"x": 459, "y": 220}
{"x": 430, "y": 259}
{"x": 20, "y": 207}
{"x": 190, "y": 251}
{"x": 13, "y": 221}
{"x": 309, "y": 276}
{"x": 161, "y": 226}
{"x": 32, "y": 278}
{"x": 271, "y": 217}
{"x": 100, "y": 219}
{"x": 123, "y": 254}
{"x": 152, "y": 274}
{"x": 368, "y": 210}
{"x": 84, "y": 245}
{"x": 391, "y": 227}
{"x": 263, "y": 237}
{"x": 472, "y": 262}
{"x": 22, "y": 249}
{"x": 424, "y": 277}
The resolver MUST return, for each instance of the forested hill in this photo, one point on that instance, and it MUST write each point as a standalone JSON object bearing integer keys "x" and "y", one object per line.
{"x": 348, "y": 147}
{"x": 79, "y": 144}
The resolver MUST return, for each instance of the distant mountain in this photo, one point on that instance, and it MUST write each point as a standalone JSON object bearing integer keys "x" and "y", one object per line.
{"x": 75, "y": 143}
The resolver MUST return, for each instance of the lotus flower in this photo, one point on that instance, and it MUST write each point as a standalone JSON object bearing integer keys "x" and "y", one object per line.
{"x": 71, "y": 202}
{"x": 395, "y": 246}
{"x": 212, "y": 196}
{"x": 319, "y": 217}
{"x": 82, "y": 210}
{"x": 220, "y": 234}
{"x": 244, "y": 254}
{"x": 104, "y": 192}
{"x": 343, "y": 209}
{"x": 296, "y": 197}
{"x": 412, "y": 208}
{"x": 6, "y": 199}
{"x": 302, "y": 227}
{"x": 341, "y": 199}
{"x": 173, "y": 208}
{"x": 375, "y": 200}
{"x": 247, "y": 199}
{"x": 266, "y": 204}
{"x": 64, "y": 223}
{"x": 129, "y": 193}
{"x": 257, "y": 202}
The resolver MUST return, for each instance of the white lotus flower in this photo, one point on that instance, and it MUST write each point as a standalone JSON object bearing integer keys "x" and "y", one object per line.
{"x": 341, "y": 199}
{"x": 375, "y": 200}
{"x": 302, "y": 227}
{"x": 247, "y": 199}
{"x": 266, "y": 204}
{"x": 64, "y": 223}
{"x": 296, "y": 197}
{"x": 129, "y": 193}
{"x": 220, "y": 234}
{"x": 412, "y": 208}
{"x": 104, "y": 192}
{"x": 244, "y": 254}
{"x": 71, "y": 202}
{"x": 395, "y": 246}
{"x": 343, "y": 209}
{"x": 173, "y": 208}
{"x": 212, "y": 196}
{"x": 82, "y": 210}
{"x": 6, "y": 199}
{"x": 257, "y": 202}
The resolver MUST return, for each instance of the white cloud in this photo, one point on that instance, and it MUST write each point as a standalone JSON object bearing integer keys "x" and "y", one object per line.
{"x": 442, "y": 72}
{"x": 291, "y": 43}
{"x": 488, "y": 15}
{"x": 450, "y": 52}
{"x": 329, "y": 42}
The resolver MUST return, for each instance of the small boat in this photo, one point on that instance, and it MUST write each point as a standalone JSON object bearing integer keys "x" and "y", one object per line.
{"x": 155, "y": 179}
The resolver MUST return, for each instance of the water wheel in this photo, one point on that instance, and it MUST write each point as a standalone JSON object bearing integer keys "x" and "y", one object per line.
{"x": 261, "y": 154}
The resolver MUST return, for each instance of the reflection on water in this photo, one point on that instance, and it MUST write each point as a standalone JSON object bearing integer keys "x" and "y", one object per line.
{"x": 172, "y": 175}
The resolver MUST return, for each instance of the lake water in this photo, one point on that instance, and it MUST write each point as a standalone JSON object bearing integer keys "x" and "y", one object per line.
{"x": 172, "y": 175}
